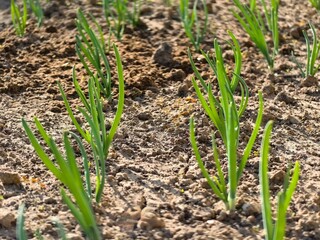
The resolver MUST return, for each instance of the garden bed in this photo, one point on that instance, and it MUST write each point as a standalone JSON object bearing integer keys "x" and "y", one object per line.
{"x": 154, "y": 188}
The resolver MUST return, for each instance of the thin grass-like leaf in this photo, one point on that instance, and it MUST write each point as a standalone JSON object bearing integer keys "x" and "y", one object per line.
{"x": 264, "y": 182}
{"x": 20, "y": 230}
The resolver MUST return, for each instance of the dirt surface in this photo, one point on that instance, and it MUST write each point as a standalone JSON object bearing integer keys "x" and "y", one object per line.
{"x": 155, "y": 189}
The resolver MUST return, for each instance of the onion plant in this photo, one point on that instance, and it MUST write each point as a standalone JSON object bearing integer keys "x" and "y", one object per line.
{"x": 315, "y": 4}
{"x": 21, "y": 233}
{"x": 312, "y": 54}
{"x": 118, "y": 13}
{"x": 91, "y": 49}
{"x": 252, "y": 23}
{"x": 225, "y": 114}
{"x": 271, "y": 15}
{"x": 19, "y": 18}
{"x": 37, "y": 10}
{"x": 275, "y": 229}
{"x": 253, "y": 5}
{"x": 97, "y": 136}
{"x": 193, "y": 27}
{"x": 65, "y": 169}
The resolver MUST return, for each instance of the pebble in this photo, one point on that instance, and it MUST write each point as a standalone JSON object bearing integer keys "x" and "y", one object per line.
{"x": 51, "y": 29}
{"x": 163, "y": 54}
{"x": 278, "y": 177}
{"x": 50, "y": 200}
{"x": 204, "y": 215}
{"x": 149, "y": 220}
{"x": 309, "y": 81}
{"x": 268, "y": 89}
{"x": 177, "y": 75}
{"x": 251, "y": 219}
{"x": 144, "y": 116}
{"x": 7, "y": 177}
{"x": 284, "y": 97}
{"x": 250, "y": 209}
{"x": 107, "y": 233}
{"x": 7, "y": 218}
{"x": 74, "y": 236}
{"x": 122, "y": 176}
{"x": 222, "y": 215}
{"x": 296, "y": 32}
{"x": 55, "y": 109}
{"x": 133, "y": 214}
{"x": 204, "y": 183}
{"x": 293, "y": 120}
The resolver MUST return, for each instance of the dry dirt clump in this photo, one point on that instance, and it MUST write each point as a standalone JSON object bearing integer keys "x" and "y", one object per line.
{"x": 154, "y": 188}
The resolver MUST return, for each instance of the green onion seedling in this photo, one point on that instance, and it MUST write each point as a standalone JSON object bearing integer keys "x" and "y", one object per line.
{"x": 97, "y": 135}
{"x": 20, "y": 230}
{"x": 193, "y": 27}
{"x": 271, "y": 15}
{"x": 19, "y": 19}
{"x": 92, "y": 50}
{"x": 225, "y": 114}
{"x": 315, "y": 4}
{"x": 253, "y": 5}
{"x": 37, "y": 10}
{"x": 252, "y": 23}
{"x": 312, "y": 54}
{"x": 118, "y": 13}
{"x": 275, "y": 229}
{"x": 67, "y": 172}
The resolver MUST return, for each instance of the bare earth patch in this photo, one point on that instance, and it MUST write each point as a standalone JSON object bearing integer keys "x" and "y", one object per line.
{"x": 155, "y": 189}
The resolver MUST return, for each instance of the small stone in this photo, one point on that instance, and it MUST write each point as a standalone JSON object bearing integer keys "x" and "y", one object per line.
{"x": 251, "y": 219}
{"x": 185, "y": 214}
{"x": 163, "y": 54}
{"x": 50, "y": 200}
{"x": 284, "y": 97}
{"x": 278, "y": 177}
{"x": 70, "y": 24}
{"x": 144, "y": 116}
{"x": 140, "y": 201}
{"x": 268, "y": 89}
{"x": 107, "y": 234}
{"x": 55, "y": 109}
{"x": 292, "y": 119}
{"x": 51, "y": 29}
{"x": 47, "y": 227}
{"x": 122, "y": 176}
{"x": 222, "y": 215}
{"x": 251, "y": 208}
{"x": 74, "y": 236}
{"x": 204, "y": 215}
{"x": 296, "y": 32}
{"x": 182, "y": 90}
{"x": 271, "y": 77}
{"x": 52, "y": 90}
{"x": 133, "y": 214}
{"x": 177, "y": 75}
{"x": 7, "y": 178}
{"x": 149, "y": 220}
{"x": 7, "y": 218}
{"x": 309, "y": 81}
{"x": 204, "y": 183}
{"x": 110, "y": 178}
